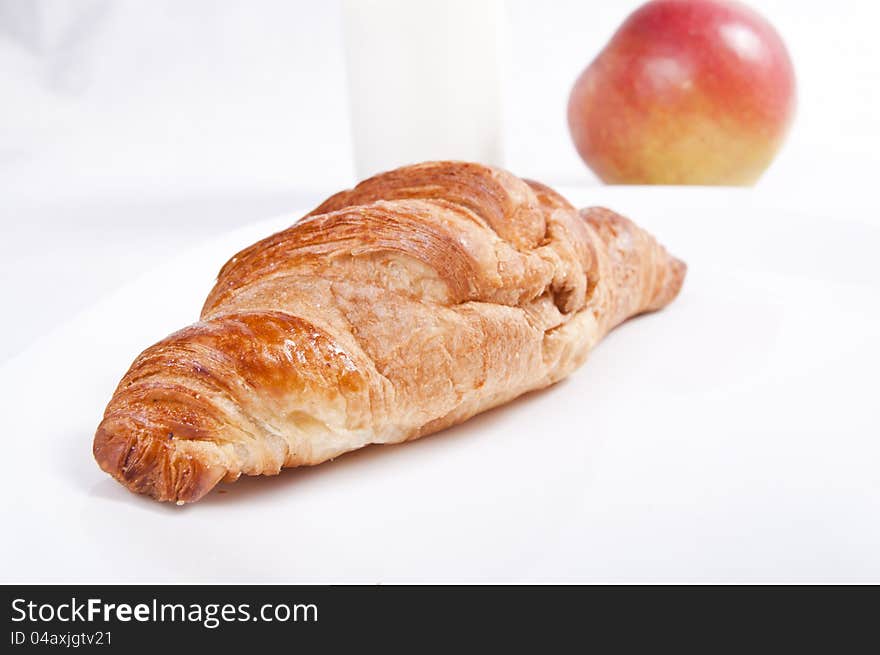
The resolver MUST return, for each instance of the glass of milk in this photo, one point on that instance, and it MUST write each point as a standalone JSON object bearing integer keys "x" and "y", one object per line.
{"x": 424, "y": 80}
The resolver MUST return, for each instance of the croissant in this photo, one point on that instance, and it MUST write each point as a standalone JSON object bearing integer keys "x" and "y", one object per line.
{"x": 419, "y": 298}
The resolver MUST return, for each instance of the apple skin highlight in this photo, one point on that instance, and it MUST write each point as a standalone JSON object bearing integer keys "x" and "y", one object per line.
{"x": 686, "y": 92}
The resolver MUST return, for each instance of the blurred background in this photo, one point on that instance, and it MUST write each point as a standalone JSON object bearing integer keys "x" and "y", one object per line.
{"x": 131, "y": 130}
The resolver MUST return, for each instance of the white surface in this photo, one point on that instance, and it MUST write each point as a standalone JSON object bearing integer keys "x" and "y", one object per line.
{"x": 63, "y": 253}
{"x": 731, "y": 437}
{"x": 131, "y": 131}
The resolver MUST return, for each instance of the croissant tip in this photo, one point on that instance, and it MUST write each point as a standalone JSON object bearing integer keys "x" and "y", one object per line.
{"x": 676, "y": 273}
{"x": 152, "y": 466}
{"x": 679, "y": 269}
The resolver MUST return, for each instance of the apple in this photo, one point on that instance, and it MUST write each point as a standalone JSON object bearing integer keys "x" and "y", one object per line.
{"x": 686, "y": 92}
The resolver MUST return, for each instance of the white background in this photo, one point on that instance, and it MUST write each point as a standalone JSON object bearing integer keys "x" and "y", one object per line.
{"x": 166, "y": 96}
{"x": 133, "y": 131}
{"x": 130, "y": 129}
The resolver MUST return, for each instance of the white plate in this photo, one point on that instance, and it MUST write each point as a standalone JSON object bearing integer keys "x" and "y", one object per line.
{"x": 731, "y": 437}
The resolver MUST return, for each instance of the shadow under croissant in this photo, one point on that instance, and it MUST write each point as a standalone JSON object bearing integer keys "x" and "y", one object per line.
{"x": 248, "y": 486}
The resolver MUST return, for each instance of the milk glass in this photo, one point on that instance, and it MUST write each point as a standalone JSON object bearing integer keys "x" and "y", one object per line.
{"x": 424, "y": 79}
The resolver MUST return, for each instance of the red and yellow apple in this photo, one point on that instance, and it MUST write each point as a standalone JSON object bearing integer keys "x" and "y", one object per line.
{"x": 686, "y": 92}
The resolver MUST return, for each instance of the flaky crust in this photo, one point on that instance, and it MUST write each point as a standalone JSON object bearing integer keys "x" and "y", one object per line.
{"x": 395, "y": 309}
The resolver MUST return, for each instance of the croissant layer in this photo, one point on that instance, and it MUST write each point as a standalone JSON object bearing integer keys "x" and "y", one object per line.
{"x": 410, "y": 303}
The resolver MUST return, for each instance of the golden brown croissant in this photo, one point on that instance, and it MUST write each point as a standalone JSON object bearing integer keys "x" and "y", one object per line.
{"x": 408, "y": 304}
